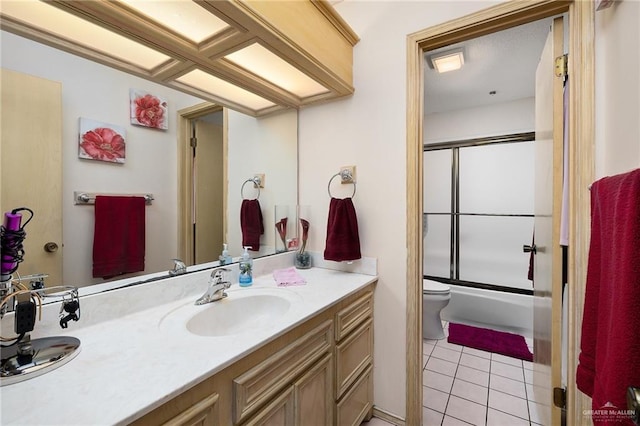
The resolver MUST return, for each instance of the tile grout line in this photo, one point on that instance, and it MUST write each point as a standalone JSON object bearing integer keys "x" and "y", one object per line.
{"x": 444, "y": 414}
{"x": 486, "y": 417}
{"x": 526, "y": 394}
{"x": 528, "y": 419}
{"x": 455, "y": 373}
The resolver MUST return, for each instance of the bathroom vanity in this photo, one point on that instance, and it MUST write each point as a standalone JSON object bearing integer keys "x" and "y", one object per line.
{"x": 290, "y": 355}
{"x": 317, "y": 372}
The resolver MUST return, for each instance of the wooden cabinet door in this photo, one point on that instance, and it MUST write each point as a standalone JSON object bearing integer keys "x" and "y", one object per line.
{"x": 279, "y": 412}
{"x": 314, "y": 395}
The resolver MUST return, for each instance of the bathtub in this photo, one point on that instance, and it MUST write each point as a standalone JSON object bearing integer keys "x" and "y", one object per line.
{"x": 490, "y": 309}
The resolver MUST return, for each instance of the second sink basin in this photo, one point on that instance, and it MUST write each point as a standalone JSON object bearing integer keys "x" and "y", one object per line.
{"x": 242, "y": 311}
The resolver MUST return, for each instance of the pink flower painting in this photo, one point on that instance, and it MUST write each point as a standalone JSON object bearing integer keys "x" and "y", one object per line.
{"x": 148, "y": 110}
{"x": 101, "y": 141}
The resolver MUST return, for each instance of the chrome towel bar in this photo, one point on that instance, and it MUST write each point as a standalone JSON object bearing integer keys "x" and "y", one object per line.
{"x": 87, "y": 198}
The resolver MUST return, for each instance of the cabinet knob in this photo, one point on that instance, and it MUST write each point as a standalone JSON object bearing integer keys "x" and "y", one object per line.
{"x": 529, "y": 249}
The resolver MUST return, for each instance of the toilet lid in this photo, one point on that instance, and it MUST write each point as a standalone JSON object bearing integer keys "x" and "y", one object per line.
{"x": 433, "y": 287}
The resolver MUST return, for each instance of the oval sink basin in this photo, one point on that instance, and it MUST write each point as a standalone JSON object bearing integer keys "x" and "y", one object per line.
{"x": 234, "y": 315}
{"x": 242, "y": 311}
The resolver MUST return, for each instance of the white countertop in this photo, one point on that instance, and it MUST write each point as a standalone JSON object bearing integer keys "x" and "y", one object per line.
{"x": 131, "y": 364}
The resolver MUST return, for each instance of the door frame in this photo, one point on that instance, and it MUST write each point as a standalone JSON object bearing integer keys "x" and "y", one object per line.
{"x": 581, "y": 169}
{"x": 185, "y": 174}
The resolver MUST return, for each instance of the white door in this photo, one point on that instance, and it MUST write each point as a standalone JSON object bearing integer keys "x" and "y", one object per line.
{"x": 548, "y": 255}
{"x": 31, "y": 144}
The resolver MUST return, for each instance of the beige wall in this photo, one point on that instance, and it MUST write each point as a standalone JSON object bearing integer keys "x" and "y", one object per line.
{"x": 369, "y": 130}
{"x": 618, "y": 88}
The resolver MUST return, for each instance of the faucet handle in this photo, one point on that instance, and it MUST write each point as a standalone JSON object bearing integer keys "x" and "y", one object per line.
{"x": 178, "y": 267}
{"x": 218, "y": 273}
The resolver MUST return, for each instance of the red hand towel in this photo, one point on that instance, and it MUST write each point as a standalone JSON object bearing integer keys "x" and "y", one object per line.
{"x": 119, "y": 236}
{"x": 251, "y": 224}
{"x": 343, "y": 240}
{"x": 609, "y": 360}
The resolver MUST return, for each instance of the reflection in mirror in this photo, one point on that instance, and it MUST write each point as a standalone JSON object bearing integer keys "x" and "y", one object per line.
{"x": 266, "y": 145}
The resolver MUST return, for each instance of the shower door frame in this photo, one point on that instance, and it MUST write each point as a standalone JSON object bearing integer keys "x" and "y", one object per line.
{"x": 454, "y": 266}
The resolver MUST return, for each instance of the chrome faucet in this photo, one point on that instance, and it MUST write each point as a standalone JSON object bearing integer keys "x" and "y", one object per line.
{"x": 179, "y": 268}
{"x": 217, "y": 287}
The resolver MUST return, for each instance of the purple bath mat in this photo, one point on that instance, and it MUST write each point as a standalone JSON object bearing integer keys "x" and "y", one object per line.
{"x": 494, "y": 341}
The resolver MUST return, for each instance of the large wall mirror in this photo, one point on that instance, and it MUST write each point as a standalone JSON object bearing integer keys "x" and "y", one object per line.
{"x": 266, "y": 145}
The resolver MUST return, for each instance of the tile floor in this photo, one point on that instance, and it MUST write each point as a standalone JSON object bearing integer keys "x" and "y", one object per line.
{"x": 463, "y": 386}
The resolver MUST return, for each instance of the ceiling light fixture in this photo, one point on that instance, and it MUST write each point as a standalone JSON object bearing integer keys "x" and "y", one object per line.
{"x": 446, "y": 61}
{"x": 188, "y": 46}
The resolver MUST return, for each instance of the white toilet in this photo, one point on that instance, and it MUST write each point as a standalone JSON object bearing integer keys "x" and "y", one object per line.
{"x": 435, "y": 296}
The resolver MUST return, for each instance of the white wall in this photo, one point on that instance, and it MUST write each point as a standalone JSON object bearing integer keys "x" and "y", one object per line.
{"x": 500, "y": 119}
{"x": 94, "y": 91}
{"x": 618, "y": 88}
{"x": 369, "y": 130}
{"x": 262, "y": 146}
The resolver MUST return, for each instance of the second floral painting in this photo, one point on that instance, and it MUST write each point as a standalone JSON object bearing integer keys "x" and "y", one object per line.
{"x": 101, "y": 141}
{"x": 148, "y": 110}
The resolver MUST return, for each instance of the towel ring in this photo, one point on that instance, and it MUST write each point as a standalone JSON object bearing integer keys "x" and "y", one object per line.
{"x": 343, "y": 175}
{"x": 256, "y": 184}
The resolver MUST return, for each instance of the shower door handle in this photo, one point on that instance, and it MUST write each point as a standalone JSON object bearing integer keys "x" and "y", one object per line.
{"x": 529, "y": 249}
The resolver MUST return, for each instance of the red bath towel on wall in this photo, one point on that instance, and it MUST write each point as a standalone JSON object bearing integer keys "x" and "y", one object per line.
{"x": 343, "y": 240}
{"x": 609, "y": 360}
{"x": 119, "y": 236}
{"x": 251, "y": 224}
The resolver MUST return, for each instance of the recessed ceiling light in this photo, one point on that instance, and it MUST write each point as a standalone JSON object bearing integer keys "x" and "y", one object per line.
{"x": 449, "y": 60}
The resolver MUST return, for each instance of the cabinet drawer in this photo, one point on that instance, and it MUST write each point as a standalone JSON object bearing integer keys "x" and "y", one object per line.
{"x": 355, "y": 405}
{"x": 203, "y": 413}
{"x": 350, "y": 317}
{"x": 353, "y": 355}
{"x": 262, "y": 382}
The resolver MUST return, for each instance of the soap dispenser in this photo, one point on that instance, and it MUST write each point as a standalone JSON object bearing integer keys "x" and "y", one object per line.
{"x": 246, "y": 269}
{"x": 224, "y": 258}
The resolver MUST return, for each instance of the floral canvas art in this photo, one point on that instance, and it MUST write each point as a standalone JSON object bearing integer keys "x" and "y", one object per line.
{"x": 101, "y": 141}
{"x": 148, "y": 110}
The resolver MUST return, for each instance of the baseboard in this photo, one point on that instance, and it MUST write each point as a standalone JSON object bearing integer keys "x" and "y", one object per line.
{"x": 388, "y": 417}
